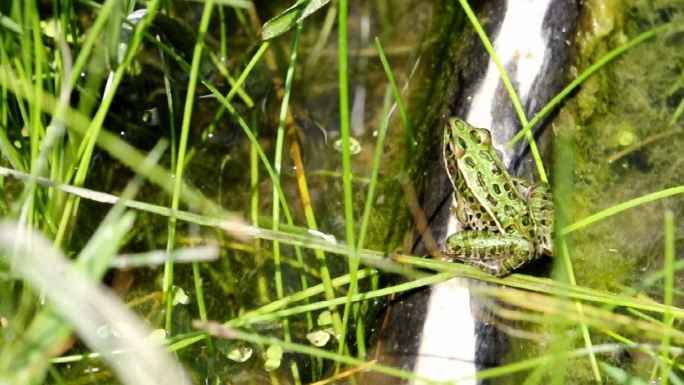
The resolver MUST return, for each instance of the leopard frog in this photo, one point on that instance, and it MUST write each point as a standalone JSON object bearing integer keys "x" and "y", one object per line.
{"x": 507, "y": 222}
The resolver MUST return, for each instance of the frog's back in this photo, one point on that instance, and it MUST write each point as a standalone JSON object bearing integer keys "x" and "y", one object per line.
{"x": 485, "y": 177}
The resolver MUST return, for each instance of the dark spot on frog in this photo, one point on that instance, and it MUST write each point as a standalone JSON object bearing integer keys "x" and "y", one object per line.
{"x": 461, "y": 143}
{"x": 456, "y": 249}
{"x": 486, "y": 156}
{"x": 481, "y": 181}
{"x": 469, "y": 162}
{"x": 525, "y": 220}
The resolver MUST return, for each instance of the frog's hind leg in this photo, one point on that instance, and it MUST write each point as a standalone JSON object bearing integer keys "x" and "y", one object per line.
{"x": 496, "y": 254}
{"x": 541, "y": 208}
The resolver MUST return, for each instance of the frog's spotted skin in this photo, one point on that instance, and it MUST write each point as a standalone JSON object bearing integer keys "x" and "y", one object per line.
{"x": 507, "y": 222}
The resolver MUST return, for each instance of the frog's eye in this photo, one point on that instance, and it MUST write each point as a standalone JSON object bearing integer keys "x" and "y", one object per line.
{"x": 481, "y": 136}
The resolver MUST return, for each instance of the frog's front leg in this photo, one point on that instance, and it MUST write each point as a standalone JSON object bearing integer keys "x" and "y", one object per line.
{"x": 496, "y": 254}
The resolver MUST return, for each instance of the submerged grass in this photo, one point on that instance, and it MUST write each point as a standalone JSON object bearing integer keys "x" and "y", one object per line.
{"x": 51, "y": 203}
{"x": 410, "y": 135}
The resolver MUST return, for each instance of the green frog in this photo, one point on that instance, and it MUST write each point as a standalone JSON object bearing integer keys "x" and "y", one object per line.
{"x": 507, "y": 222}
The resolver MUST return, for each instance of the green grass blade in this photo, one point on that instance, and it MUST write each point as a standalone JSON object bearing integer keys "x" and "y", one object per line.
{"x": 277, "y": 163}
{"x": 180, "y": 165}
{"x": 610, "y": 211}
{"x": 584, "y": 328}
{"x": 410, "y": 136}
{"x": 508, "y": 85}
{"x": 343, "y": 83}
{"x": 668, "y": 295}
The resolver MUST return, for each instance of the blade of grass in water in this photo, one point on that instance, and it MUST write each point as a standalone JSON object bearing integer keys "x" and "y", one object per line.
{"x": 128, "y": 155}
{"x": 343, "y": 83}
{"x": 221, "y": 68}
{"x": 562, "y": 263}
{"x": 668, "y": 319}
{"x": 323, "y": 35}
{"x": 410, "y": 136}
{"x": 278, "y": 159}
{"x": 235, "y": 88}
{"x": 178, "y": 177}
{"x": 569, "y": 270}
{"x": 277, "y": 164}
{"x": 606, "y": 213}
{"x": 370, "y": 196}
{"x": 171, "y": 106}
